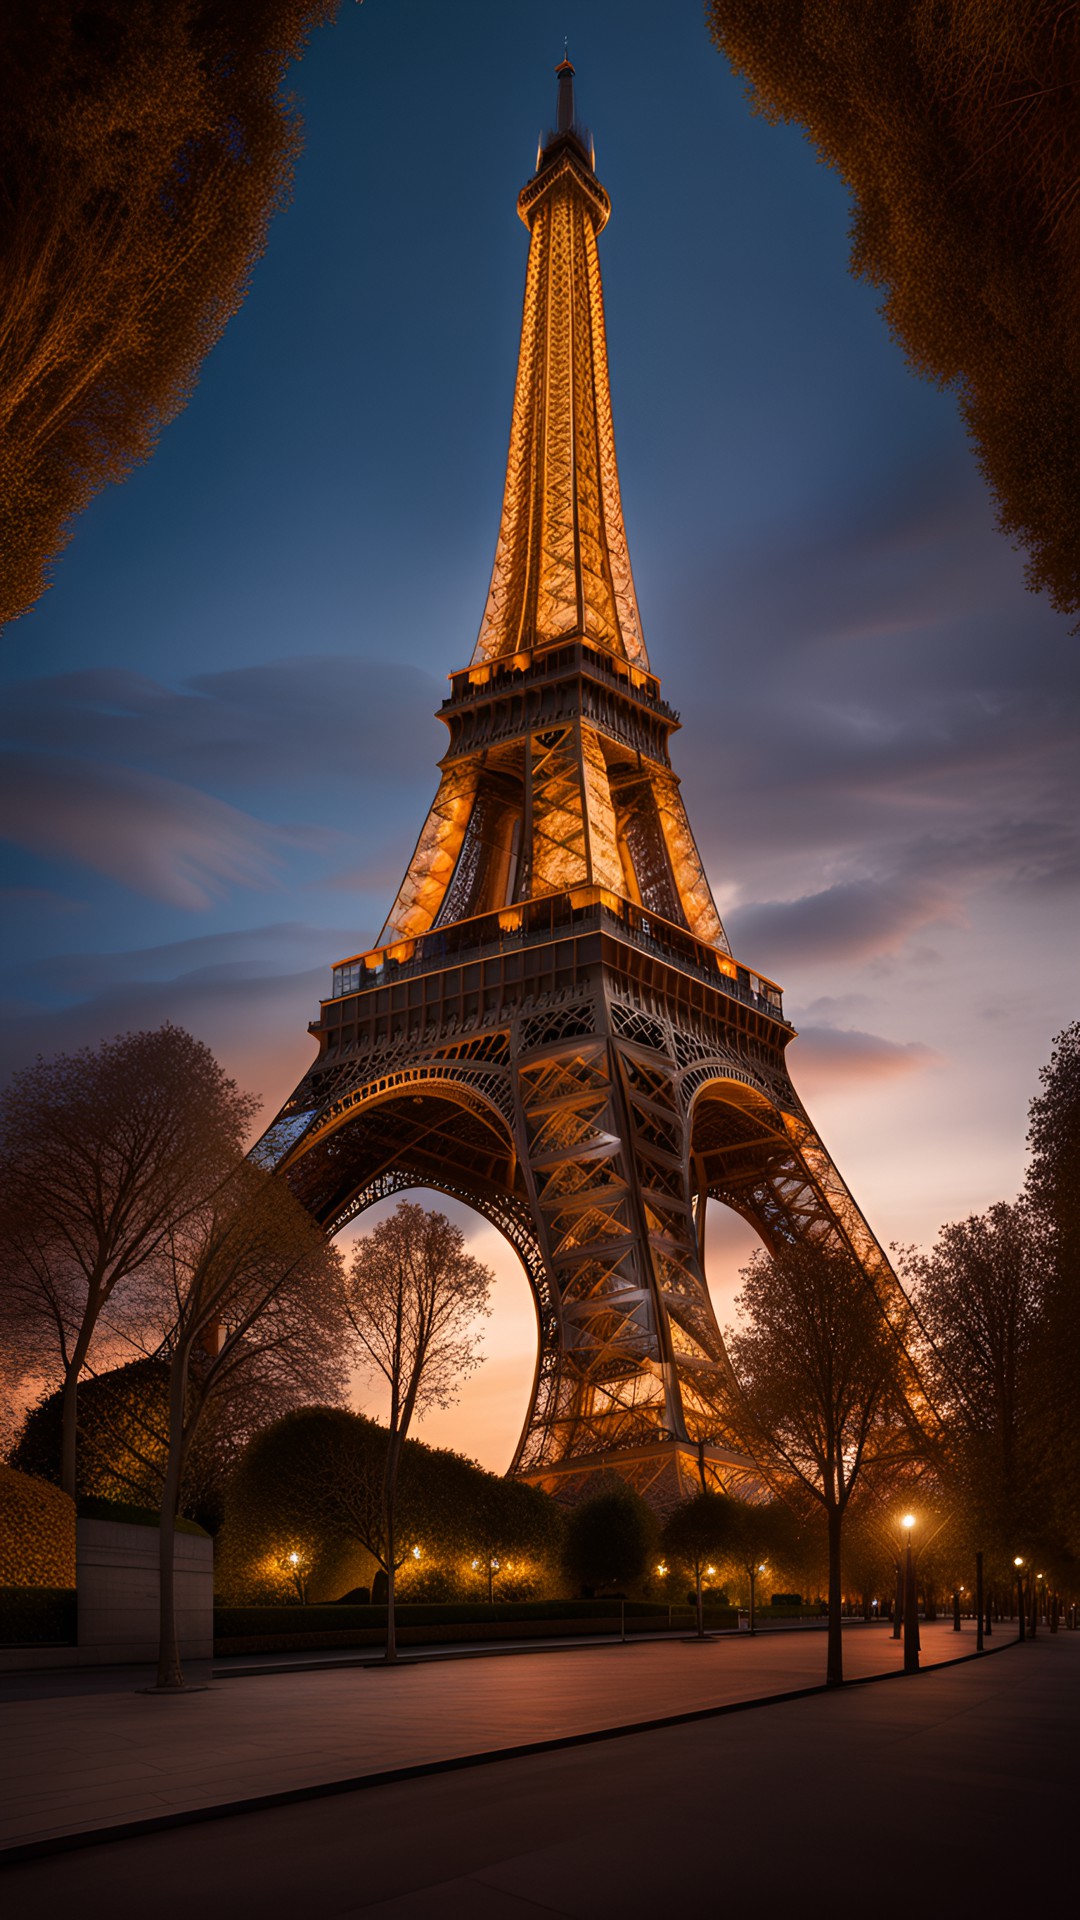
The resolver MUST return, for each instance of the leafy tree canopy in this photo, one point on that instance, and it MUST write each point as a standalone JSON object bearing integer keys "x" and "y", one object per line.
{"x": 956, "y": 127}
{"x": 144, "y": 148}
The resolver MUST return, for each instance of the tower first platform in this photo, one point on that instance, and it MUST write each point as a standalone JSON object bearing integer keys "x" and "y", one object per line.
{"x": 552, "y": 1026}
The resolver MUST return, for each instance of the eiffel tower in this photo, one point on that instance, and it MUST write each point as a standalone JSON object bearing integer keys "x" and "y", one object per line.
{"x": 552, "y": 1026}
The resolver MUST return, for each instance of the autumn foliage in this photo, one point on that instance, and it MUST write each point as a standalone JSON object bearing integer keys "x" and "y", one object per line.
{"x": 955, "y": 124}
{"x": 144, "y": 149}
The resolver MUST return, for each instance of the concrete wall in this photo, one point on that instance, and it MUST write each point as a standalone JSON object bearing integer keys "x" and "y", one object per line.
{"x": 117, "y": 1578}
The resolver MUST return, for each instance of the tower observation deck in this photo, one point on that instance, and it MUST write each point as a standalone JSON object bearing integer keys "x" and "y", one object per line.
{"x": 552, "y": 1026}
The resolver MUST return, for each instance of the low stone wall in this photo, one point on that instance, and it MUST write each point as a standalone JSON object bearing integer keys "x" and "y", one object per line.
{"x": 117, "y": 1580}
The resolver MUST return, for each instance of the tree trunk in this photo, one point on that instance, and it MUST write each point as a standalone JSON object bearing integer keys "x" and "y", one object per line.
{"x": 68, "y": 1432}
{"x": 834, "y": 1668}
{"x": 390, "y": 1478}
{"x": 391, "y": 1621}
{"x": 753, "y": 1578}
{"x": 69, "y": 1415}
{"x": 170, "y": 1673}
{"x": 898, "y": 1602}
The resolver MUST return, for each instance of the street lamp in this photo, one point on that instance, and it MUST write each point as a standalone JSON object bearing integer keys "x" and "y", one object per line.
{"x": 1018, "y": 1563}
{"x": 297, "y": 1568}
{"x": 753, "y": 1572}
{"x": 911, "y": 1605}
{"x": 491, "y": 1568}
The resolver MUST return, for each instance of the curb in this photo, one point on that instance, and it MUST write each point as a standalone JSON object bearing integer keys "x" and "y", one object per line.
{"x": 390, "y": 1776}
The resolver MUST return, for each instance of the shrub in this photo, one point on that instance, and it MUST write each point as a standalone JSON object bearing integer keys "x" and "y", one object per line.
{"x": 610, "y": 1540}
{"x": 123, "y": 1434}
{"x": 457, "y": 1515}
{"x": 37, "y": 1532}
{"x": 37, "y": 1616}
{"x": 92, "y": 1508}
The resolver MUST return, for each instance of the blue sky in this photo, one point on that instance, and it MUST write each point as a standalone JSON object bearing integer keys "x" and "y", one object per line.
{"x": 219, "y": 731}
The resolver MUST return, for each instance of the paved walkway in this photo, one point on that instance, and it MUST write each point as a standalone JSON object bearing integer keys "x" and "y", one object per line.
{"x": 104, "y": 1759}
{"x": 951, "y": 1793}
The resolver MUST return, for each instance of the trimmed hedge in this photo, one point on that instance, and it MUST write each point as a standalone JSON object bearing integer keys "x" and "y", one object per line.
{"x": 280, "y": 1500}
{"x": 284, "y": 1629}
{"x": 123, "y": 1434}
{"x": 37, "y": 1532}
{"x": 37, "y": 1616}
{"x": 92, "y": 1507}
{"x": 338, "y": 1615}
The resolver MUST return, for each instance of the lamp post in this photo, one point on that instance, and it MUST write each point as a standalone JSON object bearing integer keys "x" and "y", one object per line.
{"x": 754, "y": 1571}
{"x": 297, "y": 1570}
{"x": 1035, "y": 1601}
{"x": 1018, "y": 1563}
{"x": 911, "y": 1606}
{"x": 979, "y": 1601}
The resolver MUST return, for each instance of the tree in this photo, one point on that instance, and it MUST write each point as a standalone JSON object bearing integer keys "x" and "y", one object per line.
{"x": 1054, "y": 1188}
{"x": 413, "y": 1297}
{"x": 255, "y": 1297}
{"x": 696, "y": 1534}
{"x": 821, "y": 1377}
{"x": 979, "y": 1295}
{"x": 144, "y": 150}
{"x": 103, "y": 1154}
{"x": 955, "y": 128}
{"x": 609, "y": 1539}
{"x": 757, "y": 1532}
{"x": 1054, "y": 1139}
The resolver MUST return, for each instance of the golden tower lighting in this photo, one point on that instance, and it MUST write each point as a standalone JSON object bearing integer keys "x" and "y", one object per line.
{"x": 552, "y": 1026}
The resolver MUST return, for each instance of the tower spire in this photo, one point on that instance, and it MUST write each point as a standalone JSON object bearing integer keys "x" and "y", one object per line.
{"x": 562, "y": 565}
{"x": 564, "y": 111}
{"x": 572, "y": 786}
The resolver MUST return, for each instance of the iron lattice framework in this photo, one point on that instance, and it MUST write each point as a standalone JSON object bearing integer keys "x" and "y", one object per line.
{"x": 552, "y": 1027}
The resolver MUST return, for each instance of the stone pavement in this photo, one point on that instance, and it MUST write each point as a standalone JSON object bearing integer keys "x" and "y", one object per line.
{"x": 100, "y": 1759}
{"x": 948, "y": 1794}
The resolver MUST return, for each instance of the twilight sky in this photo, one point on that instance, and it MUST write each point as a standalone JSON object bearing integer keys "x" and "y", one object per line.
{"x": 218, "y": 723}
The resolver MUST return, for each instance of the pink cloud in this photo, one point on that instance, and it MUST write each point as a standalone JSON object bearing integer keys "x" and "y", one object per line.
{"x": 824, "y": 1058}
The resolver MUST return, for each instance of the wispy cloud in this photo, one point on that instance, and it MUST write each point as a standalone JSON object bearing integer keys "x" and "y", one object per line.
{"x": 166, "y": 841}
{"x": 854, "y": 920}
{"x": 829, "y": 1057}
{"x": 287, "y": 723}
